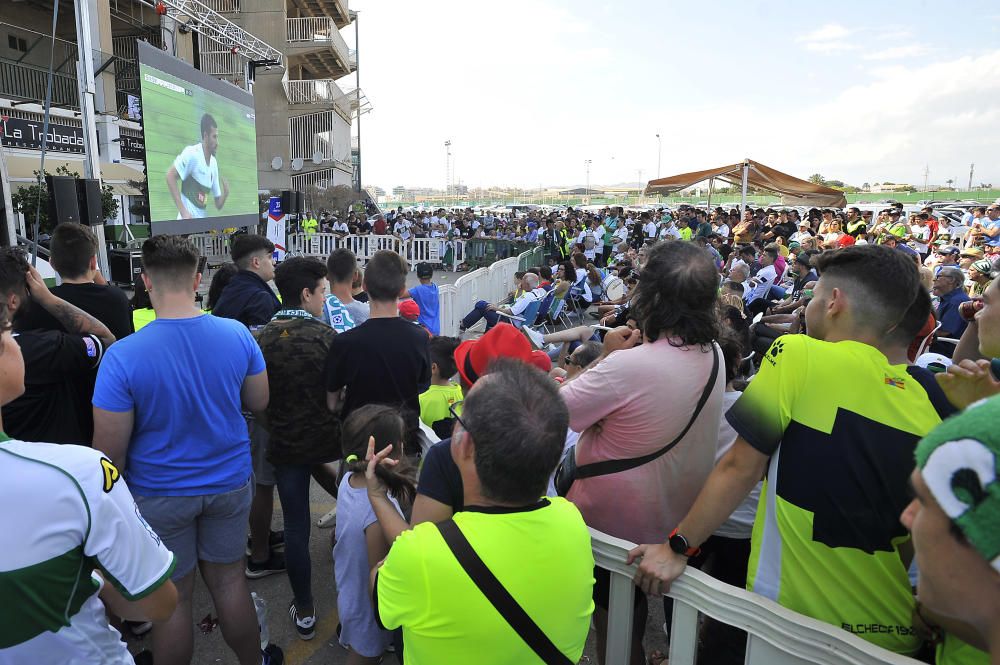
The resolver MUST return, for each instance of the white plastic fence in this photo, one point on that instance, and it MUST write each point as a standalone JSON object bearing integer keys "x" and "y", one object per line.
{"x": 776, "y": 636}
{"x": 322, "y": 244}
{"x": 211, "y": 245}
{"x": 491, "y": 284}
{"x": 416, "y": 250}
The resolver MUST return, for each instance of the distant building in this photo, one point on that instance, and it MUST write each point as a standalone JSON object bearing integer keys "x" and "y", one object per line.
{"x": 888, "y": 187}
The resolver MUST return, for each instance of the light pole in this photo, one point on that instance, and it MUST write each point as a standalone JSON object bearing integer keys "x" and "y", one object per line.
{"x": 587, "y": 164}
{"x": 357, "y": 89}
{"x": 659, "y": 154}
{"x": 447, "y": 167}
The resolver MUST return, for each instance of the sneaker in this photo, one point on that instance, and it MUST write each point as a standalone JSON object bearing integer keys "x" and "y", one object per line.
{"x": 329, "y": 520}
{"x": 274, "y": 564}
{"x": 139, "y": 628}
{"x": 537, "y": 338}
{"x": 272, "y": 655}
{"x": 276, "y": 540}
{"x": 306, "y": 626}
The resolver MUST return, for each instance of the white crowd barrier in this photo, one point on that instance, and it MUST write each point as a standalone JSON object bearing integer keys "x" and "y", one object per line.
{"x": 416, "y": 250}
{"x": 491, "y": 284}
{"x": 776, "y": 635}
{"x": 214, "y": 246}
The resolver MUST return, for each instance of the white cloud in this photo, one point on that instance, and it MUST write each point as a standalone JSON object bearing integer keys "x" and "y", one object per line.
{"x": 898, "y": 52}
{"x": 829, "y": 38}
{"x": 828, "y": 31}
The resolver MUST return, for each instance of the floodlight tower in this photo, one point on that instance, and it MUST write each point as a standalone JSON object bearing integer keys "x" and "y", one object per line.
{"x": 447, "y": 167}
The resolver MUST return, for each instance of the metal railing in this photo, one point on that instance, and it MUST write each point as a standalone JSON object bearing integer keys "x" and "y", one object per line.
{"x": 323, "y": 178}
{"x": 320, "y": 30}
{"x": 29, "y": 82}
{"x": 217, "y": 59}
{"x": 312, "y": 134}
{"x": 312, "y": 91}
{"x": 223, "y": 6}
{"x": 776, "y": 636}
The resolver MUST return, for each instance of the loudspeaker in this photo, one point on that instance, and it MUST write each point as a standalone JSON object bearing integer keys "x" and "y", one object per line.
{"x": 89, "y": 194}
{"x": 300, "y": 203}
{"x": 288, "y": 202}
{"x": 64, "y": 205}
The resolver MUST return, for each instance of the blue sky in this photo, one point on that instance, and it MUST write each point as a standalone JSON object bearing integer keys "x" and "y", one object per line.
{"x": 527, "y": 90}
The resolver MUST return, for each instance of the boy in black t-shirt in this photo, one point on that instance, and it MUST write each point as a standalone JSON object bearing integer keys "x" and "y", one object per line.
{"x": 73, "y": 255}
{"x": 385, "y": 360}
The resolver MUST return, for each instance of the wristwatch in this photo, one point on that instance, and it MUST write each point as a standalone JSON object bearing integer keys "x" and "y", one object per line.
{"x": 679, "y": 544}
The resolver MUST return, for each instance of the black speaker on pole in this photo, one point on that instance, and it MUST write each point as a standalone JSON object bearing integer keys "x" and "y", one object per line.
{"x": 300, "y": 203}
{"x": 89, "y": 194}
{"x": 64, "y": 204}
{"x": 288, "y": 201}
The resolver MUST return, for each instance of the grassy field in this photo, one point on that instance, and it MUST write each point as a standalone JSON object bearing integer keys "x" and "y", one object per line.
{"x": 172, "y": 121}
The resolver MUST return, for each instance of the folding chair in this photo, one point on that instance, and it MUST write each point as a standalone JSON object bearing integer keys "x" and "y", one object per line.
{"x": 928, "y": 340}
{"x": 527, "y": 317}
{"x": 550, "y": 317}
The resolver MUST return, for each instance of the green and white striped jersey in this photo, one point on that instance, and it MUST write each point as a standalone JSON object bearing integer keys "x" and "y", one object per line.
{"x": 66, "y": 513}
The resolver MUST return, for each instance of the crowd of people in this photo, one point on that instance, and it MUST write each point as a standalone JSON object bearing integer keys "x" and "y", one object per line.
{"x": 804, "y": 406}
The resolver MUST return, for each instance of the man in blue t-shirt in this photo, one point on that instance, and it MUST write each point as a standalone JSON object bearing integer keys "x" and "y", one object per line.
{"x": 425, "y": 295}
{"x": 167, "y": 411}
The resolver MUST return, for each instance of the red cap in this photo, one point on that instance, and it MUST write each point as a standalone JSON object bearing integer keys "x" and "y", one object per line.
{"x": 503, "y": 340}
{"x": 541, "y": 360}
{"x": 409, "y": 309}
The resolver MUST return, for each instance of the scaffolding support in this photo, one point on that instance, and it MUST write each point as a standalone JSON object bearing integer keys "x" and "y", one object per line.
{"x": 213, "y": 24}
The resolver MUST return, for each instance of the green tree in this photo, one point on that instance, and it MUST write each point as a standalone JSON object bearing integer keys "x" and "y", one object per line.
{"x": 35, "y": 199}
{"x": 816, "y": 178}
{"x": 337, "y": 199}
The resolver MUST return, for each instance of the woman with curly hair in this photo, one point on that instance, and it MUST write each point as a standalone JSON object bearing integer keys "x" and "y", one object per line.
{"x": 640, "y": 397}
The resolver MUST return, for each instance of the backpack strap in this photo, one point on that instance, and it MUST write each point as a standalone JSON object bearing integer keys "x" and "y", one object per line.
{"x": 499, "y": 597}
{"x": 606, "y": 467}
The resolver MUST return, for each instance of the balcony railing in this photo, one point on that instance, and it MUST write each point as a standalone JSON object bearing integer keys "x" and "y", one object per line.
{"x": 223, "y": 6}
{"x": 316, "y": 31}
{"x": 323, "y": 178}
{"x": 312, "y": 91}
{"x": 29, "y": 82}
{"x": 310, "y": 29}
{"x": 217, "y": 59}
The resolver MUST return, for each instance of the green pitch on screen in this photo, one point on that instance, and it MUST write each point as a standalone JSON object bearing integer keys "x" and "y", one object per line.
{"x": 172, "y": 121}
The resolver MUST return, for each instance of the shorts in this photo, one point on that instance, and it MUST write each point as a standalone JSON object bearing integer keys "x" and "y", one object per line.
{"x": 260, "y": 445}
{"x": 211, "y": 527}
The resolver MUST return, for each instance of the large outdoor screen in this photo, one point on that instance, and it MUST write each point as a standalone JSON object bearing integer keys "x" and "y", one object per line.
{"x": 201, "y": 147}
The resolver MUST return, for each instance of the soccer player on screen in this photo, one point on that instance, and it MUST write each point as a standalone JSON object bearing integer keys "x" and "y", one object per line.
{"x": 197, "y": 171}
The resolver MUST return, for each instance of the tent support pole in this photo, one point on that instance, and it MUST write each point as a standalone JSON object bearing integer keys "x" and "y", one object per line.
{"x": 743, "y": 194}
{"x": 711, "y": 188}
